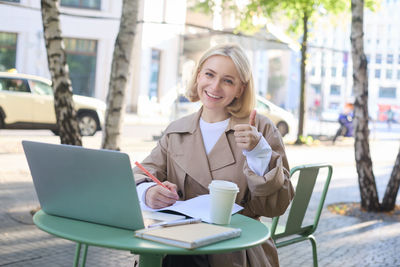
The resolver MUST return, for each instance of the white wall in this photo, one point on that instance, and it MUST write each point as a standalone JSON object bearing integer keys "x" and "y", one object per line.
{"x": 161, "y": 29}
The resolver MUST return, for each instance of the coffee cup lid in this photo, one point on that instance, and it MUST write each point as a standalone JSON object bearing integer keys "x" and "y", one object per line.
{"x": 226, "y": 185}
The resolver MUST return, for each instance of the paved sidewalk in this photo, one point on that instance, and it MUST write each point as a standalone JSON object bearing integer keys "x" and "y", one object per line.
{"x": 342, "y": 240}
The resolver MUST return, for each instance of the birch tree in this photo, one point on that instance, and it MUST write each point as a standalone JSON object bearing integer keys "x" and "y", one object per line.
{"x": 366, "y": 178}
{"x": 120, "y": 73}
{"x": 61, "y": 83}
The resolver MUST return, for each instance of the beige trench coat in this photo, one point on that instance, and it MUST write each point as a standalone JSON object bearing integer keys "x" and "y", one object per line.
{"x": 180, "y": 158}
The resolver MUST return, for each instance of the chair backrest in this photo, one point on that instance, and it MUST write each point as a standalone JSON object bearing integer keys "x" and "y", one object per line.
{"x": 308, "y": 175}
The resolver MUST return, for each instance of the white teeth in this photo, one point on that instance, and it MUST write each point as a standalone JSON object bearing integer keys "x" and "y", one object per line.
{"x": 213, "y": 96}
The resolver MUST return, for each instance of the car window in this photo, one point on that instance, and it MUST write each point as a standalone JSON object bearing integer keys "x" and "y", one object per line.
{"x": 262, "y": 105}
{"x": 2, "y": 84}
{"x": 14, "y": 85}
{"x": 41, "y": 88}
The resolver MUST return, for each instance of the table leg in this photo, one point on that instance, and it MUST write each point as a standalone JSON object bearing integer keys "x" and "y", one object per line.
{"x": 150, "y": 260}
{"x": 85, "y": 249}
{"x": 78, "y": 254}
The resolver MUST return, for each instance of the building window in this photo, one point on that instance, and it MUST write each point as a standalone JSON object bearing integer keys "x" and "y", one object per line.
{"x": 313, "y": 71}
{"x": 334, "y": 105}
{"x": 389, "y": 74}
{"x": 322, "y": 72}
{"x": 344, "y": 71}
{"x": 8, "y": 45}
{"x": 378, "y": 59}
{"x": 81, "y": 59}
{"x": 389, "y": 59}
{"x": 377, "y": 73}
{"x": 398, "y": 75}
{"x": 333, "y": 71}
{"x": 92, "y": 4}
{"x": 317, "y": 88}
{"x": 387, "y": 92}
{"x": 368, "y": 57}
{"x": 335, "y": 90}
{"x": 154, "y": 73}
{"x": 398, "y": 59}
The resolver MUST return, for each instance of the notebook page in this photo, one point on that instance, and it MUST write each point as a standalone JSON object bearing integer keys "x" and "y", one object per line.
{"x": 198, "y": 207}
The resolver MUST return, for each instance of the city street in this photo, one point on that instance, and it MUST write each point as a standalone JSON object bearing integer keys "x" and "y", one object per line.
{"x": 341, "y": 240}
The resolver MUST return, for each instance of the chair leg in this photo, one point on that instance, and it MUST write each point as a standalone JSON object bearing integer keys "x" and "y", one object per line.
{"x": 314, "y": 249}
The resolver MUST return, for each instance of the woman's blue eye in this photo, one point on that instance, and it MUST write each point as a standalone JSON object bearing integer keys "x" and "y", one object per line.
{"x": 209, "y": 74}
{"x": 228, "y": 81}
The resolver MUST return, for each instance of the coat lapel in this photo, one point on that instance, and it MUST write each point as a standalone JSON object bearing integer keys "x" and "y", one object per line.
{"x": 221, "y": 154}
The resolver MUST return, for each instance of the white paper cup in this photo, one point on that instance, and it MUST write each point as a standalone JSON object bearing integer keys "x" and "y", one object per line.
{"x": 223, "y": 195}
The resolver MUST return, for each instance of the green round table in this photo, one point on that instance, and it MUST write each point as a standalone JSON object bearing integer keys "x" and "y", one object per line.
{"x": 151, "y": 253}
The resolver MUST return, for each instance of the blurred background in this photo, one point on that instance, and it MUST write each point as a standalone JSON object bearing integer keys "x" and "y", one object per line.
{"x": 172, "y": 34}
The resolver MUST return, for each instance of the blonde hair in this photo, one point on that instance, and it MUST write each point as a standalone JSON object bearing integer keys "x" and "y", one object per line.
{"x": 242, "y": 106}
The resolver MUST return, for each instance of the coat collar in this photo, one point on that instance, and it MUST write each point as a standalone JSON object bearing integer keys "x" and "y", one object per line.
{"x": 190, "y": 123}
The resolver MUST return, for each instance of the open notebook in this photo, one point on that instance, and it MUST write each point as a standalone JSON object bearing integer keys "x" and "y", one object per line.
{"x": 197, "y": 207}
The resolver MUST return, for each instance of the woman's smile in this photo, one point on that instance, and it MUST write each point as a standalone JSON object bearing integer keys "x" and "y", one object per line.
{"x": 212, "y": 95}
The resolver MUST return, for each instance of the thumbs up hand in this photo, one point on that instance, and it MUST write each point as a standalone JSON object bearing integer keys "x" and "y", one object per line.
{"x": 246, "y": 135}
{"x": 252, "y": 120}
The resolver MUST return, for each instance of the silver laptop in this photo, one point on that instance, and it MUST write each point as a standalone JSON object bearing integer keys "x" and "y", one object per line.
{"x": 85, "y": 184}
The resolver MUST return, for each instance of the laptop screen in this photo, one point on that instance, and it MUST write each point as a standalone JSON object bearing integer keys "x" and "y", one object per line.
{"x": 93, "y": 185}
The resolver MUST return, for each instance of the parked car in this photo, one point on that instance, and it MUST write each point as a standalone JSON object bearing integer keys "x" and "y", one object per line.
{"x": 283, "y": 119}
{"x": 26, "y": 102}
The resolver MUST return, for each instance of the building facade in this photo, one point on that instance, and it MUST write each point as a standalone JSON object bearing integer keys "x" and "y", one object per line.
{"x": 89, "y": 29}
{"x": 330, "y": 70}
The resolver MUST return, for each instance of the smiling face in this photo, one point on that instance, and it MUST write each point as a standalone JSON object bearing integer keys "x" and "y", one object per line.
{"x": 218, "y": 84}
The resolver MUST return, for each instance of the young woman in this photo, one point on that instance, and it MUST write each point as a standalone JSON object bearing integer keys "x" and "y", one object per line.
{"x": 224, "y": 140}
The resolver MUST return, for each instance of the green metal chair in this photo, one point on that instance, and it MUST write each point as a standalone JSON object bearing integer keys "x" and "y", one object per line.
{"x": 294, "y": 231}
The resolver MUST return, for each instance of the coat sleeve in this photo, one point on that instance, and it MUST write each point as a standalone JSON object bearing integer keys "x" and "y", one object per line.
{"x": 155, "y": 163}
{"x": 269, "y": 195}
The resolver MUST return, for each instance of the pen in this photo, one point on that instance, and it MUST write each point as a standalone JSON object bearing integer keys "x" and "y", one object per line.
{"x": 151, "y": 176}
{"x": 177, "y": 222}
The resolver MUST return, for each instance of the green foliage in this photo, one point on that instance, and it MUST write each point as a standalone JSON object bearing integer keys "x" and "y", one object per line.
{"x": 372, "y": 5}
{"x": 205, "y": 7}
{"x": 284, "y": 12}
{"x": 308, "y": 140}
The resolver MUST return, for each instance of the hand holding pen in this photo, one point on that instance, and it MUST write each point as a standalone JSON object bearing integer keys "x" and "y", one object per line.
{"x": 160, "y": 196}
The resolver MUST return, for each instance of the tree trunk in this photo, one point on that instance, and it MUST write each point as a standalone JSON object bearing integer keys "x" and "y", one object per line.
{"x": 302, "y": 104}
{"x": 56, "y": 57}
{"x": 389, "y": 199}
{"x": 366, "y": 179}
{"x": 120, "y": 73}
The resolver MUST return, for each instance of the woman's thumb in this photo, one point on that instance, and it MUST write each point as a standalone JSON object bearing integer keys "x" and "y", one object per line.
{"x": 252, "y": 120}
